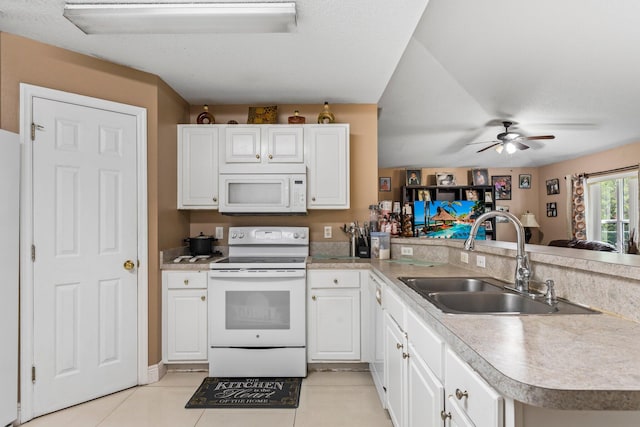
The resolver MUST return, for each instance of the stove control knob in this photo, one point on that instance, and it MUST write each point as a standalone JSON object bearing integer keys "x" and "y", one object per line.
{"x": 233, "y": 235}
{"x": 295, "y": 235}
{"x": 240, "y": 235}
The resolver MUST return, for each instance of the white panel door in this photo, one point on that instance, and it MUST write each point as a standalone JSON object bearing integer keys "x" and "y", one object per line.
{"x": 84, "y": 229}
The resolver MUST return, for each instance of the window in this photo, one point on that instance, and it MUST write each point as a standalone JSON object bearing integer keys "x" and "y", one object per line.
{"x": 612, "y": 208}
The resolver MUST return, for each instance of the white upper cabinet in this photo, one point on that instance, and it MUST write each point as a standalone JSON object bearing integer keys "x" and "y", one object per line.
{"x": 327, "y": 154}
{"x": 198, "y": 158}
{"x": 263, "y": 144}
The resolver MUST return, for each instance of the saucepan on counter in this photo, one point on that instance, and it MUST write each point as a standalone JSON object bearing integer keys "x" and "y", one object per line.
{"x": 201, "y": 244}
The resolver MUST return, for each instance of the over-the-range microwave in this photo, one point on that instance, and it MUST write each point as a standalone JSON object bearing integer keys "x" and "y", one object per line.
{"x": 283, "y": 191}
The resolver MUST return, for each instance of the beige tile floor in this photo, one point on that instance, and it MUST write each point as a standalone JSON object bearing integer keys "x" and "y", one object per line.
{"x": 327, "y": 399}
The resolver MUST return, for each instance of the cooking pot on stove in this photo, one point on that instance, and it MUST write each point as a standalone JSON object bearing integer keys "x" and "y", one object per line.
{"x": 201, "y": 244}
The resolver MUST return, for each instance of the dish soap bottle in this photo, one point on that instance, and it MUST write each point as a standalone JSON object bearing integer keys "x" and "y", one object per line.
{"x": 206, "y": 118}
{"x": 326, "y": 116}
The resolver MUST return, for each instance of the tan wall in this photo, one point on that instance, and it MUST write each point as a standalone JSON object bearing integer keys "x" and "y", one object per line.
{"x": 557, "y": 227}
{"x": 27, "y": 61}
{"x": 363, "y": 122}
{"x": 522, "y": 200}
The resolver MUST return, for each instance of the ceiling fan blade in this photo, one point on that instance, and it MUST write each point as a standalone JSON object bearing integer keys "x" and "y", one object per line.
{"x": 489, "y": 146}
{"x": 481, "y": 142}
{"x": 520, "y": 145}
{"x": 540, "y": 137}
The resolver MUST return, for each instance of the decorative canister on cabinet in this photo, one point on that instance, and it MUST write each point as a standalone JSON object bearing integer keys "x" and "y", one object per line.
{"x": 326, "y": 116}
{"x": 296, "y": 118}
{"x": 205, "y": 118}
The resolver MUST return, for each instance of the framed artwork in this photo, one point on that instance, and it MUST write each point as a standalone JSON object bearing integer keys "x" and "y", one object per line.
{"x": 445, "y": 179}
{"x": 263, "y": 115}
{"x": 487, "y": 197}
{"x": 502, "y": 186}
{"x": 502, "y": 209}
{"x": 384, "y": 184}
{"x": 472, "y": 195}
{"x": 553, "y": 186}
{"x": 480, "y": 176}
{"x": 524, "y": 180}
{"x": 488, "y": 225}
{"x": 414, "y": 176}
{"x": 552, "y": 209}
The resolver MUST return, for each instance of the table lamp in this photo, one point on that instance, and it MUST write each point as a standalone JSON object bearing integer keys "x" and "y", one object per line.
{"x": 528, "y": 220}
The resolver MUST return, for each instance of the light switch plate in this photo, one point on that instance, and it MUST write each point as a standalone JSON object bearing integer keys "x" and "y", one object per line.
{"x": 219, "y": 233}
{"x": 328, "y": 232}
{"x": 464, "y": 257}
{"x": 480, "y": 261}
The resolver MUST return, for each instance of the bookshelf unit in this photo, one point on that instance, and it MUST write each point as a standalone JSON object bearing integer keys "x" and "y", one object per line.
{"x": 484, "y": 193}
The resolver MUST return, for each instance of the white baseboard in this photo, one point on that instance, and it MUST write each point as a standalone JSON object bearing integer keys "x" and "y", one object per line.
{"x": 156, "y": 372}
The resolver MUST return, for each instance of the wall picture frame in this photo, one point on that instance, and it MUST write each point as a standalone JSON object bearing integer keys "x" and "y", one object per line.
{"x": 471, "y": 195}
{"x": 501, "y": 186}
{"x": 414, "y": 177}
{"x": 524, "y": 181}
{"x": 502, "y": 208}
{"x": 384, "y": 184}
{"x": 553, "y": 186}
{"x": 552, "y": 209}
{"x": 445, "y": 179}
{"x": 480, "y": 177}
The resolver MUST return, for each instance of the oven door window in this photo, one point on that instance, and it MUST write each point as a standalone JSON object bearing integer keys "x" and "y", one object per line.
{"x": 257, "y": 310}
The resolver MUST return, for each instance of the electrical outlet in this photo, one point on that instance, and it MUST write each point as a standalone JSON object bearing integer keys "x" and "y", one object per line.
{"x": 327, "y": 231}
{"x": 480, "y": 262}
{"x": 464, "y": 257}
{"x": 219, "y": 233}
{"x": 406, "y": 250}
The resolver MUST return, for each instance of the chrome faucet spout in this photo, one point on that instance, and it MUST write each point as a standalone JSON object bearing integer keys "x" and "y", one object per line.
{"x": 522, "y": 274}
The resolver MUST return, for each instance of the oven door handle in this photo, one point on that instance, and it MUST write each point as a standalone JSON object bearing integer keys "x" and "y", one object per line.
{"x": 248, "y": 274}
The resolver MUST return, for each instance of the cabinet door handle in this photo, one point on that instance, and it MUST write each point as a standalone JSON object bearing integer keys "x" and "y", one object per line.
{"x": 313, "y": 297}
{"x": 460, "y": 394}
{"x": 379, "y": 296}
{"x": 257, "y": 156}
{"x": 186, "y": 282}
{"x": 215, "y": 199}
{"x": 405, "y": 355}
{"x": 313, "y": 199}
{"x": 203, "y": 298}
{"x": 270, "y": 156}
{"x": 335, "y": 281}
{"x": 445, "y": 415}
{"x": 399, "y": 346}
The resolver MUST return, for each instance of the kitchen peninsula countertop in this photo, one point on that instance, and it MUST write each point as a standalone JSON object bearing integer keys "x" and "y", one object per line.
{"x": 582, "y": 362}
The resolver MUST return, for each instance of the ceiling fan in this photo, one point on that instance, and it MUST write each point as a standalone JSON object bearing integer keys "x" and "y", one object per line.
{"x": 510, "y": 140}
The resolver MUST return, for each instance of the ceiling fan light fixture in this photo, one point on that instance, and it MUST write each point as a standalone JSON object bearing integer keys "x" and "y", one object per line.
{"x": 499, "y": 148}
{"x": 182, "y": 18}
{"x": 510, "y": 147}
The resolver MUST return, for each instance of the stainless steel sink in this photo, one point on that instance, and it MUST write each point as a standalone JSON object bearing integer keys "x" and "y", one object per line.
{"x": 427, "y": 285}
{"x": 489, "y": 303}
{"x": 465, "y": 295}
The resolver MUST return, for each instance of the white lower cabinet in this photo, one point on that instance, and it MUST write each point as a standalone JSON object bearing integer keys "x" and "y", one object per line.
{"x": 420, "y": 371}
{"x": 471, "y": 394}
{"x": 333, "y": 303}
{"x": 396, "y": 368}
{"x": 184, "y": 317}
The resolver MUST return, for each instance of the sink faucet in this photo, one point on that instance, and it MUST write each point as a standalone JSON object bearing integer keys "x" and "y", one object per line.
{"x": 523, "y": 269}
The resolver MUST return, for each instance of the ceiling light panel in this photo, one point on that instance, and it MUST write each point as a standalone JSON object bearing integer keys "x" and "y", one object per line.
{"x": 182, "y": 18}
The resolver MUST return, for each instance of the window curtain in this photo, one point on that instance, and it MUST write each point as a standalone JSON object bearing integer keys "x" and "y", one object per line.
{"x": 576, "y": 206}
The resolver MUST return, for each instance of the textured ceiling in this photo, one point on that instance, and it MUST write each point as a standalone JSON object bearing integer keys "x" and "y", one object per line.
{"x": 443, "y": 78}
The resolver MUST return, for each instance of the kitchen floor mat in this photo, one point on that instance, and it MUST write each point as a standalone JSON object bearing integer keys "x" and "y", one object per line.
{"x": 246, "y": 393}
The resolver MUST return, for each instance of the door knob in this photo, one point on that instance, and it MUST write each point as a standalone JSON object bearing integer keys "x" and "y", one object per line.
{"x": 129, "y": 265}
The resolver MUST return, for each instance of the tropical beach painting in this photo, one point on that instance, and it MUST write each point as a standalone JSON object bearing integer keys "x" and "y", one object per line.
{"x": 443, "y": 219}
